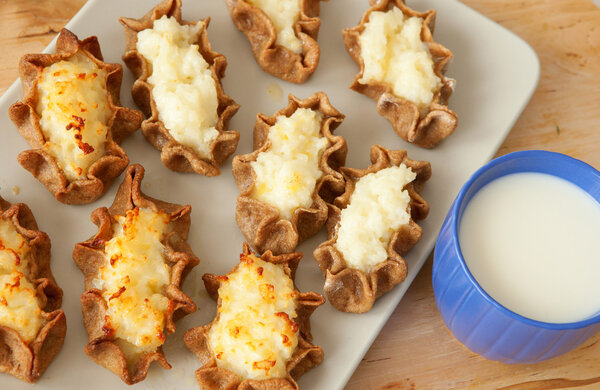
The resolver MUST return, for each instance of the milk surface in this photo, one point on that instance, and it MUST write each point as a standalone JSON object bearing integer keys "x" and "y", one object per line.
{"x": 532, "y": 241}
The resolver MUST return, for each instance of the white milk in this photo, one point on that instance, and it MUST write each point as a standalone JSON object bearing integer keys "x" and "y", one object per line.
{"x": 531, "y": 241}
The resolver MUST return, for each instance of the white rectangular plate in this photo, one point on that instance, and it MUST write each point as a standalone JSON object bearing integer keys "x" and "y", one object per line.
{"x": 496, "y": 73}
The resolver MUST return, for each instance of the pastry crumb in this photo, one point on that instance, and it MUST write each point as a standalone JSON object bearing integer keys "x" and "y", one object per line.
{"x": 275, "y": 92}
{"x": 16, "y": 190}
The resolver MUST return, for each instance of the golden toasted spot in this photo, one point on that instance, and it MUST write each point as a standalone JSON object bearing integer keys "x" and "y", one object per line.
{"x": 291, "y": 324}
{"x": 118, "y": 293}
{"x": 17, "y": 281}
{"x": 265, "y": 365}
{"x": 248, "y": 260}
{"x": 266, "y": 291}
{"x": 113, "y": 259}
{"x": 234, "y": 331}
{"x": 107, "y": 328}
{"x": 97, "y": 242}
{"x": 12, "y": 251}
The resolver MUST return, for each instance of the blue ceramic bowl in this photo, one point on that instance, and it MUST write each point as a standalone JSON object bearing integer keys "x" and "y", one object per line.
{"x": 477, "y": 320}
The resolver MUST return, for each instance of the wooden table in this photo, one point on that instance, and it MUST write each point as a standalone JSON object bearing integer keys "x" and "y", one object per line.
{"x": 415, "y": 350}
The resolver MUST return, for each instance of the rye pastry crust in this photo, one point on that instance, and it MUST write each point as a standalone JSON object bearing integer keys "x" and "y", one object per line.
{"x": 353, "y": 290}
{"x": 439, "y": 121}
{"x": 28, "y": 360}
{"x": 122, "y": 122}
{"x": 305, "y": 356}
{"x": 90, "y": 257}
{"x": 273, "y": 58}
{"x": 261, "y": 223}
{"x": 174, "y": 155}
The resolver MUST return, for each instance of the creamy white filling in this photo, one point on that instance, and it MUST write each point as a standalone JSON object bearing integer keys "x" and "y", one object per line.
{"x": 19, "y": 306}
{"x": 74, "y": 113}
{"x": 393, "y": 53}
{"x": 378, "y": 206}
{"x": 254, "y": 335}
{"x": 134, "y": 277}
{"x": 284, "y": 14}
{"x": 183, "y": 87}
{"x": 288, "y": 171}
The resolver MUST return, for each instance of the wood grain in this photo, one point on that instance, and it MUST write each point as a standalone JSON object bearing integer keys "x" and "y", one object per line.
{"x": 415, "y": 350}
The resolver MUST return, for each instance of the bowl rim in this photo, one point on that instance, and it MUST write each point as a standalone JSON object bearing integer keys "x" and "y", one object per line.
{"x": 537, "y": 154}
